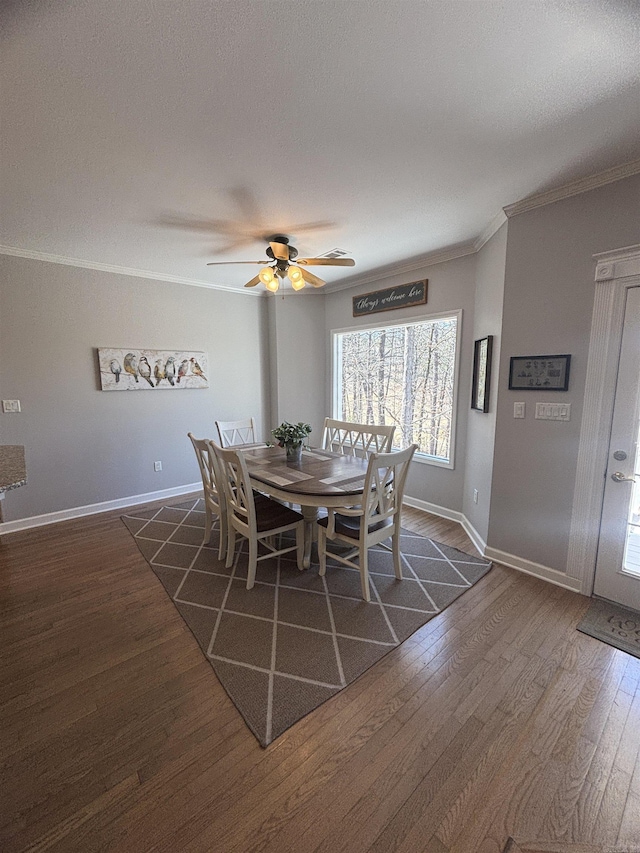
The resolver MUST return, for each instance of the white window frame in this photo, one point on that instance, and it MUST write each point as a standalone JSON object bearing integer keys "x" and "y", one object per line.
{"x": 336, "y": 369}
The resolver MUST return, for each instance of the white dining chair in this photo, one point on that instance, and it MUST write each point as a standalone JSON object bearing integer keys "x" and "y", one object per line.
{"x": 378, "y": 518}
{"x": 255, "y": 516}
{"x": 237, "y": 432}
{"x": 351, "y": 439}
{"x": 214, "y": 497}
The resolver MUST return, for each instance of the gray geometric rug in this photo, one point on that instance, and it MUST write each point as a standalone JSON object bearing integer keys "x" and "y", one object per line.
{"x": 613, "y": 624}
{"x": 295, "y": 639}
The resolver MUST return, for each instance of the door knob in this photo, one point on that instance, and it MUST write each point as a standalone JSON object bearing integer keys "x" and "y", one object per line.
{"x": 619, "y": 477}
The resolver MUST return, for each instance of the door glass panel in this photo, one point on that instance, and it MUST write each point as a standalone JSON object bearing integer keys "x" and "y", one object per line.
{"x": 632, "y": 546}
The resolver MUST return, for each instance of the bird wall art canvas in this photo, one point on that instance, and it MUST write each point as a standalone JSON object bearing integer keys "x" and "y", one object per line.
{"x": 151, "y": 369}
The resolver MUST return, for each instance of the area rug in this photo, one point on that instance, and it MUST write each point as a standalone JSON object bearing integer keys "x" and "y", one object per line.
{"x": 295, "y": 639}
{"x": 614, "y": 625}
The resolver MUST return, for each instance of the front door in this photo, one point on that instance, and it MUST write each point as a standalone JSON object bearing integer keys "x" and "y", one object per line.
{"x": 618, "y": 563}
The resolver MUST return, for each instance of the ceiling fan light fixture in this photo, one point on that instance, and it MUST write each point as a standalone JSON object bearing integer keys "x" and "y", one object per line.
{"x": 297, "y": 284}
{"x": 295, "y": 275}
{"x": 272, "y": 285}
{"x": 267, "y": 277}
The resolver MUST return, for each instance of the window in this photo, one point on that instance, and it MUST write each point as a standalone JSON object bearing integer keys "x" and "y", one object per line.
{"x": 403, "y": 375}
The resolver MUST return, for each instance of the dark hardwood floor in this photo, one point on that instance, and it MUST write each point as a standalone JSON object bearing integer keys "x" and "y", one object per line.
{"x": 496, "y": 719}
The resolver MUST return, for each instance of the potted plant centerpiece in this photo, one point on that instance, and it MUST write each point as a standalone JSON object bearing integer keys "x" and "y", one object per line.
{"x": 291, "y": 437}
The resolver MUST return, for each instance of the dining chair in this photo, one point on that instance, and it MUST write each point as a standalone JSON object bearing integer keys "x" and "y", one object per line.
{"x": 214, "y": 498}
{"x": 350, "y": 439}
{"x": 255, "y": 516}
{"x": 378, "y": 518}
{"x": 236, "y": 432}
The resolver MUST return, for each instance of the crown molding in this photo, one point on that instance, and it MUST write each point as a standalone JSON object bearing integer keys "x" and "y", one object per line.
{"x": 582, "y": 185}
{"x": 130, "y": 271}
{"x": 438, "y": 257}
{"x": 495, "y": 225}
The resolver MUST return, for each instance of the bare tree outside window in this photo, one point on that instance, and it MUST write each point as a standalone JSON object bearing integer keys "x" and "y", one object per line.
{"x": 402, "y": 375}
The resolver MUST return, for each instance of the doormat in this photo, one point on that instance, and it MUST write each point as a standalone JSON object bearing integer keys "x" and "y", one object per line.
{"x": 613, "y": 624}
{"x": 295, "y": 639}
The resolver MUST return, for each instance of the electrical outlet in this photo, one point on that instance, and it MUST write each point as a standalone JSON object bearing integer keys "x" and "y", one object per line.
{"x": 11, "y": 406}
{"x": 157, "y": 466}
{"x": 475, "y": 496}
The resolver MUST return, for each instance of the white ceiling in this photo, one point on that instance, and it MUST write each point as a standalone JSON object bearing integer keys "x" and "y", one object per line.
{"x": 408, "y": 124}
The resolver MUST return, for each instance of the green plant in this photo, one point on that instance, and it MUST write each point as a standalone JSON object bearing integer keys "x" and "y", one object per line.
{"x": 291, "y": 435}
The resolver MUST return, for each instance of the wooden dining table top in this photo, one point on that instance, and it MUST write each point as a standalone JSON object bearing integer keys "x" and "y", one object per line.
{"x": 320, "y": 473}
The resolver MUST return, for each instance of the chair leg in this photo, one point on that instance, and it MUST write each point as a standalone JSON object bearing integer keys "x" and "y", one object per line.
{"x": 364, "y": 572}
{"x": 300, "y": 546}
{"x": 208, "y": 524}
{"x": 253, "y": 562}
{"x": 231, "y": 547}
{"x": 224, "y": 537}
{"x": 322, "y": 551}
{"x": 397, "y": 560}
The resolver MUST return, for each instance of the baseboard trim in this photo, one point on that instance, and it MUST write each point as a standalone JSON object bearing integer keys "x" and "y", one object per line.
{"x": 452, "y": 515}
{"x": 537, "y": 570}
{"x": 94, "y": 509}
{"x": 434, "y": 509}
{"x": 475, "y": 537}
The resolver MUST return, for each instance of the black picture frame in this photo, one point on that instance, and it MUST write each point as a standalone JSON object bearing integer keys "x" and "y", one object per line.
{"x": 481, "y": 382}
{"x": 539, "y": 372}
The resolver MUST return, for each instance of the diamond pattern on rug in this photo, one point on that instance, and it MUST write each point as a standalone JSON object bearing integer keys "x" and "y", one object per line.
{"x": 295, "y": 639}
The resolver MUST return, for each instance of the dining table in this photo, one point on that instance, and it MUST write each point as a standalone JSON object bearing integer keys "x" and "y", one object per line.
{"x": 322, "y": 478}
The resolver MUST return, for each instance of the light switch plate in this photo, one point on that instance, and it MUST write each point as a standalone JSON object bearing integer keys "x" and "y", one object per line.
{"x": 553, "y": 411}
{"x": 11, "y": 406}
{"x": 518, "y": 410}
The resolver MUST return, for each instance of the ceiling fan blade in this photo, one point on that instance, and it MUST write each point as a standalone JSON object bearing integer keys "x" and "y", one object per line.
{"x": 280, "y": 251}
{"x": 226, "y": 263}
{"x": 253, "y": 282}
{"x": 310, "y": 278}
{"x": 326, "y": 262}
{"x": 308, "y": 226}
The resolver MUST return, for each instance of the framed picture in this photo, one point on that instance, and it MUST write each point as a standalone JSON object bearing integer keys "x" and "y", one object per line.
{"x": 401, "y": 296}
{"x": 539, "y": 372}
{"x": 152, "y": 369}
{"x": 481, "y": 374}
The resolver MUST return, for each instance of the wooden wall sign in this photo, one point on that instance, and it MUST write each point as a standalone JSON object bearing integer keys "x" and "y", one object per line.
{"x": 402, "y": 296}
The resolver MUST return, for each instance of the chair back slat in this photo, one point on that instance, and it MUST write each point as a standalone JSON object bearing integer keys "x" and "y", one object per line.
{"x": 208, "y": 468}
{"x": 237, "y": 485}
{"x": 214, "y": 499}
{"x": 237, "y": 432}
{"x": 351, "y": 439}
{"x": 384, "y": 485}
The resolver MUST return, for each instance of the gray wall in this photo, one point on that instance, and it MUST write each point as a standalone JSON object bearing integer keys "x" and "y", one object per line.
{"x": 451, "y": 286}
{"x": 83, "y": 445}
{"x": 548, "y": 304}
{"x": 271, "y": 358}
{"x": 298, "y": 346}
{"x": 489, "y": 295}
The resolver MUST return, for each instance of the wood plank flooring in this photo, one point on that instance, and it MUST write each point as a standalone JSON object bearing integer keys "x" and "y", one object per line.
{"x": 495, "y": 719}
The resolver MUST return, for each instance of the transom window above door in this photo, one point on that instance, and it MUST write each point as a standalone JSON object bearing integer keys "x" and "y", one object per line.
{"x": 403, "y": 374}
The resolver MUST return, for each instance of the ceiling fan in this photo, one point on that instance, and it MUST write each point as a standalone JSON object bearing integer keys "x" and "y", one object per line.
{"x": 279, "y": 265}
